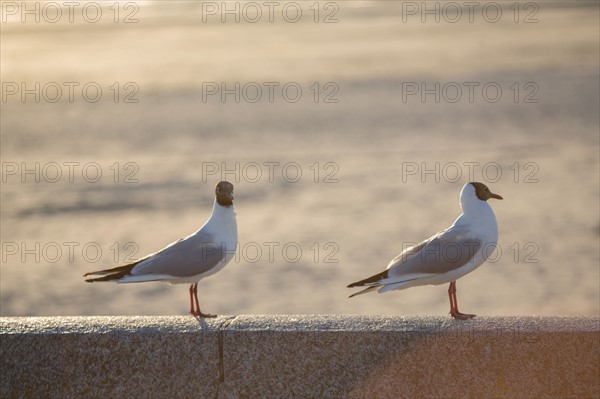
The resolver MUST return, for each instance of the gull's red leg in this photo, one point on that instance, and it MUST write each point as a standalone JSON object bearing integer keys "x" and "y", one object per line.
{"x": 451, "y": 291}
{"x": 199, "y": 313}
{"x": 192, "y": 310}
{"x": 454, "y": 304}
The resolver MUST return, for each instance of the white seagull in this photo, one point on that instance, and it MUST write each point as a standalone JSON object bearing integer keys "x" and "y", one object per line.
{"x": 189, "y": 259}
{"x": 446, "y": 256}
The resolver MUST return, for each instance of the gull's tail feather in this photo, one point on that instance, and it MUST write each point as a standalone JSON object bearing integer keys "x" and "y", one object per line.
{"x": 370, "y": 280}
{"x": 111, "y": 274}
{"x": 365, "y": 291}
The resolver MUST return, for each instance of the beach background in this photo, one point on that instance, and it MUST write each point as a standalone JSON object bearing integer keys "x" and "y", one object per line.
{"x": 329, "y": 184}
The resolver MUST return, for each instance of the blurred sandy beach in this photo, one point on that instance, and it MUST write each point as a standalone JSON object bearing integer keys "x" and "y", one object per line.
{"x": 330, "y": 184}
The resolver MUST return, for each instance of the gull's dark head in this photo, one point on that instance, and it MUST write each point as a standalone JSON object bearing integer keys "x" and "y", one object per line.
{"x": 483, "y": 192}
{"x": 224, "y": 193}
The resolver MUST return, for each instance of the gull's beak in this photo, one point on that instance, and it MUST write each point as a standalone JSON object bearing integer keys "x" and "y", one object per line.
{"x": 492, "y": 195}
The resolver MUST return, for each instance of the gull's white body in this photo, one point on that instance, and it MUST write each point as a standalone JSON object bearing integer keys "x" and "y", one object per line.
{"x": 190, "y": 259}
{"x": 173, "y": 263}
{"x": 414, "y": 267}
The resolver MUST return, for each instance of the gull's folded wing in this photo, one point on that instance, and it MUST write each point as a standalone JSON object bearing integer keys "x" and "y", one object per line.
{"x": 444, "y": 252}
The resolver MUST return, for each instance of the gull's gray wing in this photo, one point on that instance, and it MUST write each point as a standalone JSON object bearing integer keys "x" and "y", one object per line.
{"x": 190, "y": 256}
{"x": 442, "y": 253}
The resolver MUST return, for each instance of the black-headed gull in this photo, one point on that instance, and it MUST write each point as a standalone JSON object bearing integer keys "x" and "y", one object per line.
{"x": 448, "y": 255}
{"x": 190, "y": 259}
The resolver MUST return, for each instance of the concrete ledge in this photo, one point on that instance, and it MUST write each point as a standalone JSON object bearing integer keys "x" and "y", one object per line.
{"x": 299, "y": 356}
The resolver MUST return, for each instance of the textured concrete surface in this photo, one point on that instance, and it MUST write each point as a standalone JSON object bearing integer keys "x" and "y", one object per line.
{"x": 109, "y": 357}
{"x": 300, "y": 356}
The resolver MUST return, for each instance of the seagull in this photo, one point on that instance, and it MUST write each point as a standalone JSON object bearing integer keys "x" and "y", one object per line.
{"x": 190, "y": 259}
{"x": 446, "y": 256}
